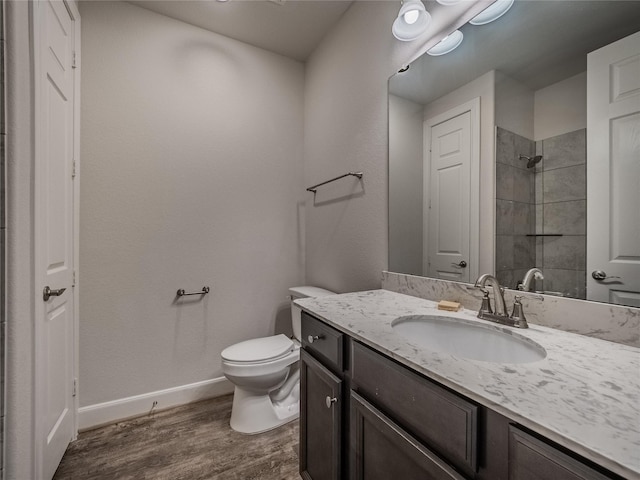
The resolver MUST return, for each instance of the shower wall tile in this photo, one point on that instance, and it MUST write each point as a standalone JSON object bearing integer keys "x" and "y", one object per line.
{"x": 567, "y": 252}
{"x": 568, "y": 218}
{"x": 524, "y": 252}
{"x": 504, "y": 181}
{"x": 506, "y": 278}
{"x": 523, "y": 146}
{"x": 565, "y": 150}
{"x": 540, "y": 252}
{"x": 539, "y": 215}
{"x": 518, "y": 276}
{"x": 505, "y": 147}
{"x": 504, "y": 217}
{"x": 523, "y": 185}
{"x": 539, "y": 151}
{"x": 539, "y": 192}
{"x": 504, "y": 252}
{"x": 515, "y": 211}
{"x": 570, "y": 283}
{"x": 563, "y": 184}
{"x": 522, "y": 218}
{"x": 3, "y": 126}
{"x": 3, "y": 218}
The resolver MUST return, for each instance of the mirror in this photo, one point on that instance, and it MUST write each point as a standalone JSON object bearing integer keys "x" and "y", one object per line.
{"x": 495, "y": 153}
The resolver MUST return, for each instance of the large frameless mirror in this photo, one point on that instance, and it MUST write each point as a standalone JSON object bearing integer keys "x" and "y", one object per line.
{"x": 521, "y": 149}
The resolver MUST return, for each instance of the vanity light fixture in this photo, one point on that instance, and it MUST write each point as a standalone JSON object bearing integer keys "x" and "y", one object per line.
{"x": 492, "y": 12}
{"x": 411, "y": 22}
{"x": 447, "y": 44}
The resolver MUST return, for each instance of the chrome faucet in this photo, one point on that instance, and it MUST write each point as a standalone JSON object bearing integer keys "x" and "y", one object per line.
{"x": 536, "y": 273}
{"x": 516, "y": 319}
{"x": 498, "y": 296}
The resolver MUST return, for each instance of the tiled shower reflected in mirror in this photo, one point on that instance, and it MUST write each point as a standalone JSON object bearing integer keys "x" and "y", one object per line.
{"x": 541, "y": 211}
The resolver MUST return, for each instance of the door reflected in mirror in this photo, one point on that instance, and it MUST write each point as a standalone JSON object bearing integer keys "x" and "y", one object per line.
{"x": 521, "y": 149}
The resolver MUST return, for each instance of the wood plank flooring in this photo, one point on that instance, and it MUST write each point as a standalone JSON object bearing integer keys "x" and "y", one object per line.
{"x": 190, "y": 442}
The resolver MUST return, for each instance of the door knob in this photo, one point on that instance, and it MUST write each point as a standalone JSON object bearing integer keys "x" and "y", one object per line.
{"x": 600, "y": 275}
{"x": 48, "y": 293}
{"x": 330, "y": 401}
{"x": 462, "y": 264}
{"x": 313, "y": 338}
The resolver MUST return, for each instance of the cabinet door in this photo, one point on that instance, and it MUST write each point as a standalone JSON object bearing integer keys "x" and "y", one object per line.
{"x": 320, "y": 421}
{"x": 381, "y": 450}
{"x": 533, "y": 459}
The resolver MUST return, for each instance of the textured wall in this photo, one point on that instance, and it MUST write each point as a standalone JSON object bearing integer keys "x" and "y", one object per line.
{"x": 19, "y": 447}
{"x": 405, "y": 185}
{"x": 191, "y": 176}
{"x": 346, "y": 130}
{"x": 561, "y": 107}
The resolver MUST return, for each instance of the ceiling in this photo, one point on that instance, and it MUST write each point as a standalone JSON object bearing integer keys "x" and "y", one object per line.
{"x": 537, "y": 43}
{"x": 292, "y": 28}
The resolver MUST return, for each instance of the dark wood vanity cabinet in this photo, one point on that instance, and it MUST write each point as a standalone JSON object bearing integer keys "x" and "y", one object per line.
{"x": 531, "y": 458}
{"x": 364, "y": 416}
{"x": 321, "y": 401}
{"x": 382, "y": 450}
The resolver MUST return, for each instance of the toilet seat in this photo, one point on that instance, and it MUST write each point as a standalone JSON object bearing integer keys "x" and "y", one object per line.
{"x": 280, "y": 350}
{"x": 259, "y": 350}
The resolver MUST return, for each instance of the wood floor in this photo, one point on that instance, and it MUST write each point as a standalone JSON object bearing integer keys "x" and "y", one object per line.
{"x": 189, "y": 442}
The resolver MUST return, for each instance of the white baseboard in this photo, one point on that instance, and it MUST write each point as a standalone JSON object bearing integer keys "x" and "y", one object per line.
{"x": 124, "y": 408}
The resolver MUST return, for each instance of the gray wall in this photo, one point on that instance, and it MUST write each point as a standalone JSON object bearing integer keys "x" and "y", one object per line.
{"x": 405, "y": 185}
{"x": 19, "y": 237}
{"x": 346, "y": 130}
{"x": 191, "y": 175}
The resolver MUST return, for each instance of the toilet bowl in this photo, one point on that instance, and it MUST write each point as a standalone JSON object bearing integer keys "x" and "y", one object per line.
{"x": 266, "y": 375}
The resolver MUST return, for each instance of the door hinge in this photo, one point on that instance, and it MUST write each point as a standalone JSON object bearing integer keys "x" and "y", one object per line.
{"x": 75, "y": 387}
{"x": 73, "y": 170}
{"x": 73, "y": 60}
{"x": 73, "y": 283}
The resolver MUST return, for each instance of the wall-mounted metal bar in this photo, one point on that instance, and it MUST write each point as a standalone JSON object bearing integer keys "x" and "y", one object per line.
{"x": 352, "y": 174}
{"x": 182, "y": 293}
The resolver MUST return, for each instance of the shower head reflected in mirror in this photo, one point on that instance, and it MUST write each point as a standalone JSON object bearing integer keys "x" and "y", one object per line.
{"x": 531, "y": 161}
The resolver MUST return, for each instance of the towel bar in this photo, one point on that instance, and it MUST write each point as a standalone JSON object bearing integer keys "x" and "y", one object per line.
{"x": 182, "y": 293}
{"x": 353, "y": 174}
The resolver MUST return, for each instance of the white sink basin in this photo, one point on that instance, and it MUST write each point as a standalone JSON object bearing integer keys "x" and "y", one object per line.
{"x": 464, "y": 338}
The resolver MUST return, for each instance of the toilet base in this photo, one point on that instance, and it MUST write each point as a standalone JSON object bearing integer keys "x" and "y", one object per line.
{"x": 254, "y": 413}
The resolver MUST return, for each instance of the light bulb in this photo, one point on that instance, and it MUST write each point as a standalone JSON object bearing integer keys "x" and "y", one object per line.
{"x": 411, "y": 16}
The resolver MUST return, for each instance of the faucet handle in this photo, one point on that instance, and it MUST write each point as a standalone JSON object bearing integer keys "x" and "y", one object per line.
{"x": 518, "y": 313}
{"x": 486, "y": 303}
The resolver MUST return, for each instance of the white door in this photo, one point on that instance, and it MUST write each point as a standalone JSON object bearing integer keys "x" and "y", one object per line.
{"x": 613, "y": 173}
{"x": 54, "y": 230}
{"x": 451, "y": 202}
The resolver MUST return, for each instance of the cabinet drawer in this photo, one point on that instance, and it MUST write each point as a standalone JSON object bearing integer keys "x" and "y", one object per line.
{"x": 325, "y": 342}
{"x": 381, "y": 450}
{"x": 532, "y": 459}
{"x": 442, "y": 420}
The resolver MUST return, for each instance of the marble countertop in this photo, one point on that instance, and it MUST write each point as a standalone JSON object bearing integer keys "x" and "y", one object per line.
{"x": 584, "y": 395}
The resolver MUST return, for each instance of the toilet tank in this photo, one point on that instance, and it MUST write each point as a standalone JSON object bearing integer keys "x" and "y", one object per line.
{"x": 303, "y": 292}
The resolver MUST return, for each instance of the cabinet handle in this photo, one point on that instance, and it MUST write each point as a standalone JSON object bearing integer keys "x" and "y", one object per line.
{"x": 330, "y": 401}
{"x": 313, "y": 338}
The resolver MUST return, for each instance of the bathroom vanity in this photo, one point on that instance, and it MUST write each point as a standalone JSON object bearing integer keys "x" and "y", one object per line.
{"x": 375, "y": 405}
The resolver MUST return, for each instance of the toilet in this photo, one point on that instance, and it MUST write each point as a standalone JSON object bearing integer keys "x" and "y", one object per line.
{"x": 266, "y": 374}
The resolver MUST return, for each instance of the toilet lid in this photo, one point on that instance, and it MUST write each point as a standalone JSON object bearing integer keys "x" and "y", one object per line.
{"x": 258, "y": 349}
